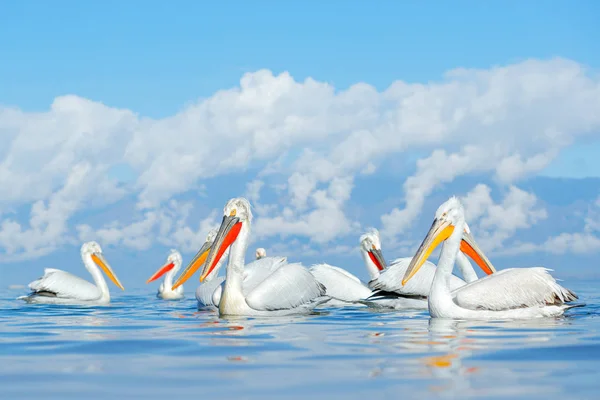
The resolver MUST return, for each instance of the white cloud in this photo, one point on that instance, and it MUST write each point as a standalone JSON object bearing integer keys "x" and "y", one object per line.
{"x": 493, "y": 223}
{"x": 323, "y": 223}
{"x": 585, "y": 242}
{"x": 505, "y": 121}
{"x": 48, "y": 224}
{"x": 168, "y": 226}
{"x": 253, "y": 190}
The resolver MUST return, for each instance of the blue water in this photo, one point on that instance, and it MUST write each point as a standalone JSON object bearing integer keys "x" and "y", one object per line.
{"x": 142, "y": 347}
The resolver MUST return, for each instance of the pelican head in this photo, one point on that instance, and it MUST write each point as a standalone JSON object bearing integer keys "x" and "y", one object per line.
{"x": 371, "y": 245}
{"x": 260, "y": 253}
{"x": 236, "y": 215}
{"x": 172, "y": 265}
{"x": 449, "y": 215}
{"x": 93, "y": 251}
{"x": 238, "y": 207}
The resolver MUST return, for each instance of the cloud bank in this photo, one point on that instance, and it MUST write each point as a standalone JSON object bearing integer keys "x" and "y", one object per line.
{"x": 304, "y": 145}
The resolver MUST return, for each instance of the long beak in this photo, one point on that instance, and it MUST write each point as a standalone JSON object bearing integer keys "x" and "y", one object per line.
{"x": 228, "y": 233}
{"x": 193, "y": 266}
{"x": 470, "y": 248}
{"x": 161, "y": 271}
{"x": 377, "y": 258}
{"x": 102, "y": 263}
{"x": 439, "y": 231}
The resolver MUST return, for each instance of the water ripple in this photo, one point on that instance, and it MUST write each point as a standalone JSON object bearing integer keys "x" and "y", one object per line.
{"x": 143, "y": 347}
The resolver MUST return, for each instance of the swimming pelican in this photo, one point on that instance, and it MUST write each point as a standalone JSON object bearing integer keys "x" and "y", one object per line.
{"x": 208, "y": 294}
{"x": 260, "y": 253}
{"x": 169, "y": 269}
{"x": 512, "y": 293}
{"x": 290, "y": 289}
{"x": 370, "y": 249}
{"x": 386, "y": 284}
{"x": 61, "y": 287}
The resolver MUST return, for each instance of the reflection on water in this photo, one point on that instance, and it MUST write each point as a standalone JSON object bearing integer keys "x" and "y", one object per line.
{"x": 144, "y": 347}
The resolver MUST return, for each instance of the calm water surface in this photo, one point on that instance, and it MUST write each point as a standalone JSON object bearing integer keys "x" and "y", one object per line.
{"x": 142, "y": 347}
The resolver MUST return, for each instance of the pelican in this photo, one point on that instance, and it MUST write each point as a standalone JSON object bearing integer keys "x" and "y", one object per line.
{"x": 260, "y": 253}
{"x": 208, "y": 294}
{"x": 169, "y": 269}
{"x": 289, "y": 289}
{"x": 370, "y": 249}
{"x": 385, "y": 282}
{"x": 61, "y": 287}
{"x": 513, "y": 293}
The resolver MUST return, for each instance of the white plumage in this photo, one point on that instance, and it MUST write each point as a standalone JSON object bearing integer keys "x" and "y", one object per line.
{"x": 271, "y": 289}
{"x": 169, "y": 270}
{"x": 386, "y": 284}
{"x": 61, "y": 287}
{"x": 509, "y": 294}
{"x": 513, "y": 288}
{"x": 343, "y": 287}
{"x": 254, "y": 274}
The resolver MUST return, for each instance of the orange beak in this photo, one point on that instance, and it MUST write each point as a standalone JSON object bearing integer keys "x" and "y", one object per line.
{"x": 228, "y": 232}
{"x": 441, "y": 230}
{"x": 193, "y": 266}
{"x": 161, "y": 271}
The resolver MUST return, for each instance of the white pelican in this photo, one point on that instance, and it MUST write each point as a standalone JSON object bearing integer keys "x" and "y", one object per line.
{"x": 260, "y": 253}
{"x": 61, "y": 287}
{"x": 289, "y": 289}
{"x": 169, "y": 269}
{"x": 388, "y": 290}
{"x": 208, "y": 294}
{"x": 508, "y": 294}
{"x": 370, "y": 249}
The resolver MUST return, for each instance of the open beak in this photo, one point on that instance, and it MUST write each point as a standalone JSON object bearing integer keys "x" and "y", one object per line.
{"x": 102, "y": 263}
{"x": 470, "y": 248}
{"x": 161, "y": 271}
{"x": 377, "y": 258}
{"x": 228, "y": 233}
{"x": 439, "y": 231}
{"x": 193, "y": 266}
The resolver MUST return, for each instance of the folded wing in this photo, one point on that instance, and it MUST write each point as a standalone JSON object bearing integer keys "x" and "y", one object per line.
{"x": 340, "y": 284}
{"x": 513, "y": 288}
{"x": 288, "y": 287}
{"x": 62, "y": 284}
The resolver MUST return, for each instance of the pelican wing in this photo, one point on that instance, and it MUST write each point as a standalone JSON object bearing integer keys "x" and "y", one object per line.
{"x": 390, "y": 279}
{"x": 205, "y": 292}
{"x": 339, "y": 283}
{"x": 62, "y": 284}
{"x": 209, "y": 294}
{"x": 513, "y": 288}
{"x": 288, "y": 287}
{"x": 340, "y": 270}
{"x": 257, "y": 271}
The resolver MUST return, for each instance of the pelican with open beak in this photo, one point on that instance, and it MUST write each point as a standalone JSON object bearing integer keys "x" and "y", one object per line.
{"x": 168, "y": 269}
{"x": 289, "y": 289}
{"x": 512, "y": 293}
{"x": 61, "y": 287}
{"x": 388, "y": 292}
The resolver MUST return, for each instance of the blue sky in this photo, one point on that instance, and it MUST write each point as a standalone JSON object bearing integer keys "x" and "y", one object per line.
{"x": 124, "y": 53}
{"x": 161, "y": 61}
